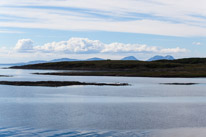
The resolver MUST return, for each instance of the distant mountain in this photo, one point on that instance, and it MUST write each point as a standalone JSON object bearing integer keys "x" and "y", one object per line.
{"x": 26, "y": 63}
{"x": 13, "y": 64}
{"x": 63, "y": 59}
{"x": 43, "y": 61}
{"x": 94, "y": 59}
{"x": 129, "y": 58}
{"x": 168, "y": 57}
{"x": 36, "y": 62}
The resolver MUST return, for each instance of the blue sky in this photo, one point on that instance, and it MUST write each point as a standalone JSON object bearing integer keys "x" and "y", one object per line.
{"x": 48, "y": 29}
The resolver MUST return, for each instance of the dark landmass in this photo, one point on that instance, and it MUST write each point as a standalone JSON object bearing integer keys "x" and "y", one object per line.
{"x": 57, "y": 83}
{"x": 190, "y": 67}
{"x": 179, "y": 83}
{"x": 165, "y": 74}
{"x": 5, "y": 76}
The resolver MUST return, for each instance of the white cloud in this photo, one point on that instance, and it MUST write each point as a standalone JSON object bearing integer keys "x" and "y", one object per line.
{"x": 173, "y": 50}
{"x": 87, "y": 46}
{"x": 128, "y": 48}
{"x": 73, "y": 45}
{"x": 162, "y": 17}
{"x": 24, "y": 45}
{"x": 197, "y": 43}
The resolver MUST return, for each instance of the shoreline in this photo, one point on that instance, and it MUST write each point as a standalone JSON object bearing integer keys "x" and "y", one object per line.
{"x": 119, "y": 74}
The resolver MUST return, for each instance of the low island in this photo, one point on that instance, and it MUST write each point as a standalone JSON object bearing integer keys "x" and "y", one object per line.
{"x": 57, "y": 83}
{"x": 5, "y": 76}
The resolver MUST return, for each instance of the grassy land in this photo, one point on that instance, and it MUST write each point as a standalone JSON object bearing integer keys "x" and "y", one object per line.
{"x": 191, "y": 67}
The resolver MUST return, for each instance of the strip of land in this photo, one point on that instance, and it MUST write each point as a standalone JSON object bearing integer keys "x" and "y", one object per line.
{"x": 190, "y": 67}
{"x": 130, "y": 74}
{"x": 57, "y": 83}
{"x": 5, "y": 76}
{"x": 179, "y": 83}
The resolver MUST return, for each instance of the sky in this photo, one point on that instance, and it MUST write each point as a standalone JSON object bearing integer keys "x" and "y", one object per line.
{"x": 110, "y": 29}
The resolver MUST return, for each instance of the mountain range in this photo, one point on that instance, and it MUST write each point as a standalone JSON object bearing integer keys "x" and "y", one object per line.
{"x": 168, "y": 57}
{"x": 54, "y": 60}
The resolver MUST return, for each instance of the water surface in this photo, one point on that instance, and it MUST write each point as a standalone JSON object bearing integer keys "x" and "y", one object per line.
{"x": 146, "y": 108}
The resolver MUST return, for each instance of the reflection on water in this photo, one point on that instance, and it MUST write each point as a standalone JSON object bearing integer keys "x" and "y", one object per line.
{"x": 143, "y": 109}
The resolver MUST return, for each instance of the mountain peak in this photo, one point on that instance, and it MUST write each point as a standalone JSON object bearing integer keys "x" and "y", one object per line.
{"x": 62, "y": 59}
{"x": 129, "y": 58}
{"x": 158, "y": 57}
{"x": 95, "y": 58}
{"x": 169, "y": 57}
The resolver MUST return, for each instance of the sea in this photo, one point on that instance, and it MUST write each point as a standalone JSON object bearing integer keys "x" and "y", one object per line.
{"x": 145, "y": 108}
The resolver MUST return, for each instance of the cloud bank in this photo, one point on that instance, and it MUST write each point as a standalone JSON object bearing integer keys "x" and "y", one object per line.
{"x": 87, "y": 46}
{"x": 160, "y": 17}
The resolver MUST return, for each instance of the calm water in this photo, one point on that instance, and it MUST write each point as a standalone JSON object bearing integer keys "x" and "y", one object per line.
{"x": 145, "y": 108}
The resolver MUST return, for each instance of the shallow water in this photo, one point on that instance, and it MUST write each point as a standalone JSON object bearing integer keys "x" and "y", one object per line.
{"x": 146, "y": 108}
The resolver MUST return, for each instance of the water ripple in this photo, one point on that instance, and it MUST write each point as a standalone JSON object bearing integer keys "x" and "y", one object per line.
{"x": 31, "y": 132}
